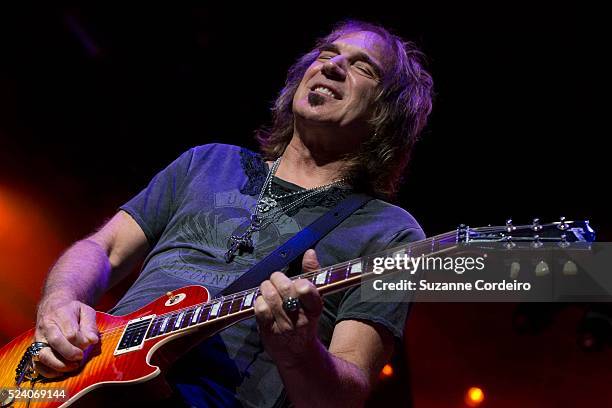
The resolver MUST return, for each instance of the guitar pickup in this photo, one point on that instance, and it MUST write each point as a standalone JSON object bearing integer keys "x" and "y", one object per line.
{"x": 134, "y": 335}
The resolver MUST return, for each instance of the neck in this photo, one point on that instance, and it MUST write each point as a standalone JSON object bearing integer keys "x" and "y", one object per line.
{"x": 309, "y": 164}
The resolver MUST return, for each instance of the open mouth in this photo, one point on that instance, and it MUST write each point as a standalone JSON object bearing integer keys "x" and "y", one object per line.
{"x": 325, "y": 91}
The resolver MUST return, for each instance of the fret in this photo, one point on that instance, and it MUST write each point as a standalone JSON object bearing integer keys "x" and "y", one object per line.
{"x": 347, "y": 272}
{"x": 236, "y": 304}
{"x": 171, "y": 321}
{"x": 313, "y": 279}
{"x": 334, "y": 276}
{"x": 164, "y": 324}
{"x": 187, "y": 318}
{"x": 208, "y": 308}
{"x": 153, "y": 329}
{"x": 242, "y": 302}
{"x": 226, "y": 306}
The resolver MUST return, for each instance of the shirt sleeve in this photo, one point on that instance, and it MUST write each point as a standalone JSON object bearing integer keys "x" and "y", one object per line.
{"x": 155, "y": 205}
{"x": 390, "y": 315}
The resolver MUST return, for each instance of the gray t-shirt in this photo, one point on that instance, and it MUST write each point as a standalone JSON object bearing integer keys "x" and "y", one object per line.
{"x": 188, "y": 212}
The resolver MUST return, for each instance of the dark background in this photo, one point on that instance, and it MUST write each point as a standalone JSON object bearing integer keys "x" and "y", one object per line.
{"x": 94, "y": 100}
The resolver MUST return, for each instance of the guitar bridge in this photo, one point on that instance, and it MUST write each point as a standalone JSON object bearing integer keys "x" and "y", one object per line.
{"x": 134, "y": 335}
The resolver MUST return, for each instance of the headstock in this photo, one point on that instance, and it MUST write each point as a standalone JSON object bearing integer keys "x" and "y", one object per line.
{"x": 536, "y": 234}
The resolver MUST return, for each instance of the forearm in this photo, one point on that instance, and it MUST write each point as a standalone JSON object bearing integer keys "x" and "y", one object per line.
{"x": 82, "y": 273}
{"x": 319, "y": 378}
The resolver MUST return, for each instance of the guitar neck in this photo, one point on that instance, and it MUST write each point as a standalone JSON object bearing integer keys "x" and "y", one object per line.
{"x": 327, "y": 280}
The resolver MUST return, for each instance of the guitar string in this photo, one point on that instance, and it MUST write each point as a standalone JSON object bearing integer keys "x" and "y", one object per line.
{"x": 244, "y": 293}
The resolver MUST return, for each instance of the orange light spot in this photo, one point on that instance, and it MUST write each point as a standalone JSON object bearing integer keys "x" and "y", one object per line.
{"x": 387, "y": 370}
{"x": 474, "y": 396}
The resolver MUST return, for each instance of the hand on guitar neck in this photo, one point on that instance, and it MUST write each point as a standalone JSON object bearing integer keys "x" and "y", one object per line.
{"x": 289, "y": 335}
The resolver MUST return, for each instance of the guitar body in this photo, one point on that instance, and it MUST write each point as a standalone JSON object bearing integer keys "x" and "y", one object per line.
{"x": 102, "y": 366}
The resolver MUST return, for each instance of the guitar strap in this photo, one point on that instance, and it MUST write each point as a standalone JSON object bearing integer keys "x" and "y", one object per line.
{"x": 297, "y": 245}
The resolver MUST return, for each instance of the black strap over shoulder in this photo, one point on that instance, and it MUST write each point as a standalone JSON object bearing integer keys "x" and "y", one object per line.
{"x": 296, "y": 246}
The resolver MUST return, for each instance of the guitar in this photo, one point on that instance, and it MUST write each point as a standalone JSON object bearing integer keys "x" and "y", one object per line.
{"x": 135, "y": 348}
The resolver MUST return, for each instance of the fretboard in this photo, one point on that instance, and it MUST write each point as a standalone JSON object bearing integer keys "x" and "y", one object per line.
{"x": 326, "y": 280}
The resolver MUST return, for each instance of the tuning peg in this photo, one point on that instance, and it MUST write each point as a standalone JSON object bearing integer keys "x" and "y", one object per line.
{"x": 570, "y": 268}
{"x": 536, "y": 225}
{"x": 562, "y": 224}
{"x": 509, "y": 226}
{"x": 542, "y": 269}
{"x": 563, "y": 243}
{"x": 508, "y": 244}
{"x": 536, "y": 242}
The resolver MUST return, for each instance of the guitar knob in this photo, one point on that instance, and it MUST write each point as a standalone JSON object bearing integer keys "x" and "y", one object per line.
{"x": 570, "y": 268}
{"x": 542, "y": 269}
{"x": 515, "y": 268}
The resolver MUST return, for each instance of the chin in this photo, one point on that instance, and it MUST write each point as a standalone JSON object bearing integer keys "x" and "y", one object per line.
{"x": 322, "y": 113}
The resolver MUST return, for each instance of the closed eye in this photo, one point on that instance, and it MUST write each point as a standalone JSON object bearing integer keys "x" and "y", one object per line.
{"x": 365, "y": 68}
{"x": 325, "y": 55}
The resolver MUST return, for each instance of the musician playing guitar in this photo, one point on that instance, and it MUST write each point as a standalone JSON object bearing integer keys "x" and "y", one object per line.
{"x": 346, "y": 121}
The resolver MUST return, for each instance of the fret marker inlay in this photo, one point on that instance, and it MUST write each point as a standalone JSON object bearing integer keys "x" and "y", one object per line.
{"x": 321, "y": 278}
{"x": 248, "y": 300}
{"x": 196, "y": 314}
{"x": 215, "y": 309}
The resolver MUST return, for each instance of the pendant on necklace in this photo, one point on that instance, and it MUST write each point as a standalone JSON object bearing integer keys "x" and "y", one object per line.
{"x": 243, "y": 242}
{"x": 266, "y": 204}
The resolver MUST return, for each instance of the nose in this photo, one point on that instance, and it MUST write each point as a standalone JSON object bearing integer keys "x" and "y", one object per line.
{"x": 335, "y": 68}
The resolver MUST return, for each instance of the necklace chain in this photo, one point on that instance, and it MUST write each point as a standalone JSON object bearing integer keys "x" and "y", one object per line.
{"x": 267, "y": 209}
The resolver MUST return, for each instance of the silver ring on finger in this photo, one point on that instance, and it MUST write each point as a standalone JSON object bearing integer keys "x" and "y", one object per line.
{"x": 34, "y": 349}
{"x": 291, "y": 304}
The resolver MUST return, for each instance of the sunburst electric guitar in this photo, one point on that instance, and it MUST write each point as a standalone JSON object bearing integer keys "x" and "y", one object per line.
{"x": 136, "y": 348}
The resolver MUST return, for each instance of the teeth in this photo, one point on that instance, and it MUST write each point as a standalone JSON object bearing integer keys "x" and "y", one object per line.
{"x": 325, "y": 91}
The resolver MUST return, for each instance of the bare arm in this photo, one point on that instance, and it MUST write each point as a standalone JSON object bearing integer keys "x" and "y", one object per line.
{"x": 79, "y": 277}
{"x": 342, "y": 376}
{"x": 314, "y": 376}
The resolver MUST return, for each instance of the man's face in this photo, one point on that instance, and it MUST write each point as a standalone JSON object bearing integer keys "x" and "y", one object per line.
{"x": 338, "y": 89}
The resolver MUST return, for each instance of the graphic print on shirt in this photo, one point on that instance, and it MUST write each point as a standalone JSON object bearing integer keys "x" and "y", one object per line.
{"x": 208, "y": 233}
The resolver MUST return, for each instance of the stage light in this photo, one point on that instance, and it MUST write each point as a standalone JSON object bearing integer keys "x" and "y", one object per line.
{"x": 474, "y": 396}
{"x": 387, "y": 371}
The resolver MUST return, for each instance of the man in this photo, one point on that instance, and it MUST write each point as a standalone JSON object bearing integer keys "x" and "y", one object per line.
{"x": 345, "y": 121}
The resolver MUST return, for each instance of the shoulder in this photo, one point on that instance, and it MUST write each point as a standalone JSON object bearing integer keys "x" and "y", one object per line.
{"x": 220, "y": 148}
{"x": 215, "y": 152}
{"x": 382, "y": 211}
